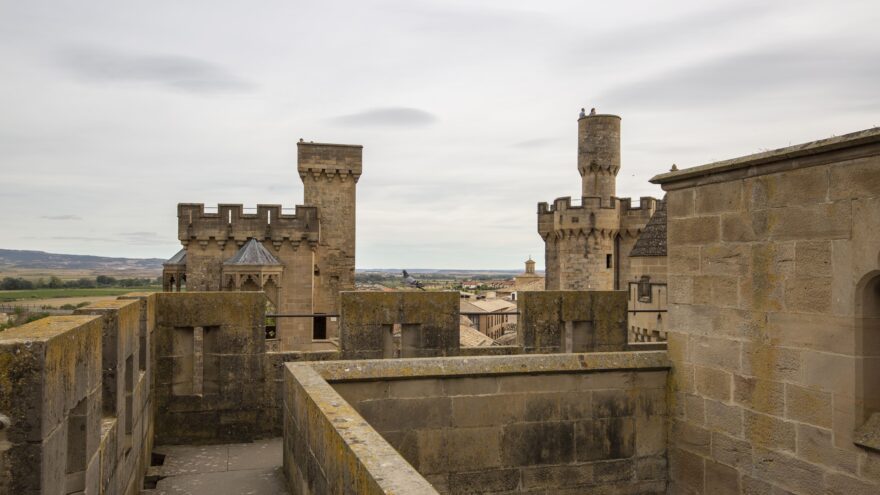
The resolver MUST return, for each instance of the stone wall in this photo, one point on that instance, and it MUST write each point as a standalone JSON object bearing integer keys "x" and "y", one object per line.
{"x": 210, "y": 382}
{"x": 329, "y": 449}
{"x": 50, "y": 389}
{"x": 426, "y": 324}
{"x": 76, "y": 391}
{"x": 506, "y": 424}
{"x": 773, "y": 264}
{"x": 572, "y": 321}
{"x": 127, "y": 419}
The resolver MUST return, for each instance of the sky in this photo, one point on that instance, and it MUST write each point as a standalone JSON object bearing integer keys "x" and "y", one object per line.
{"x": 113, "y": 112}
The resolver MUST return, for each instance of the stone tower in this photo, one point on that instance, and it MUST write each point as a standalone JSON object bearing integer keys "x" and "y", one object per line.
{"x": 586, "y": 245}
{"x": 529, "y": 280}
{"x": 530, "y": 266}
{"x": 598, "y": 155}
{"x": 330, "y": 173}
{"x": 300, "y": 260}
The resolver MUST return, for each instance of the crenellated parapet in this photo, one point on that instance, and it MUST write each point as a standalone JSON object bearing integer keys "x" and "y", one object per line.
{"x": 634, "y": 219}
{"x": 595, "y": 216}
{"x": 230, "y": 224}
{"x": 330, "y": 162}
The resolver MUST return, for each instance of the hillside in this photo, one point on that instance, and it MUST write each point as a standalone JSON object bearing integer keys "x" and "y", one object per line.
{"x": 38, "y": 260}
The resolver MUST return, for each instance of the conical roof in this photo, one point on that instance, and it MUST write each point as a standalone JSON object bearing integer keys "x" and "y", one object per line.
{"x": 177, "y": 259}
{"x": 652, "y": 241}
{"x": 252, "y": 254}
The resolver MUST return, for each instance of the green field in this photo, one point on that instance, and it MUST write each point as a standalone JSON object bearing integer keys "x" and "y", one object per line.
{"x": 36, "y": 294}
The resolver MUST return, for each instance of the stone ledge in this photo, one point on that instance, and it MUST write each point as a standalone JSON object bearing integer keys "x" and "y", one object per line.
{"x": 868, "y": 435}
{"x": 45, "y": 329}
{"x": 448, "y": 367}
{"x": 791, "y": 157}
{"x": 377, "y": 467}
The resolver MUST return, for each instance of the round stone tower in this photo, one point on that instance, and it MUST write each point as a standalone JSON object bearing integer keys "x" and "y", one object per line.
{"x": 581, "y": 245}
{"x": 598, "y": 154}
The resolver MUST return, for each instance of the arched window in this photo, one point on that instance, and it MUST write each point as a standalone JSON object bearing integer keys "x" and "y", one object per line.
{"x": 868, "y": 361}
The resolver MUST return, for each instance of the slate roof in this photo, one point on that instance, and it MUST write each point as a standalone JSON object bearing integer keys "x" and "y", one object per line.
{"x": 252, "y": 254}
{"x": 652, "y": 241}
{"x": 177, "y": 259}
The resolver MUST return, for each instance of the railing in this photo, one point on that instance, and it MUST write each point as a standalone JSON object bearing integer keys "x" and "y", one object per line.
{"x": 319, "y": 330}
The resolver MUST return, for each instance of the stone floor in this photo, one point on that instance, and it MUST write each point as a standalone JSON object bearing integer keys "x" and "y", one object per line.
{"x": 241, "y": 468}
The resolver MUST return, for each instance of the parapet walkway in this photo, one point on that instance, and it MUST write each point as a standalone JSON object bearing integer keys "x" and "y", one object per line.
{"x": 251, "y": 468}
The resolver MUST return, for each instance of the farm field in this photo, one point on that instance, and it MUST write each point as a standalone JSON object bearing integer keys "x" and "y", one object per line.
{"x": 41, "y": 296}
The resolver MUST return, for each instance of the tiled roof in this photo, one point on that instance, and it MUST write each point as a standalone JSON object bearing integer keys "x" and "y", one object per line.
{"x": 469, "y": 337}
{"x": 252, "y": 254}
{"x": 506, "y": 339}
{"x": 652, "y": 241}
{"x": 177, "y": 259}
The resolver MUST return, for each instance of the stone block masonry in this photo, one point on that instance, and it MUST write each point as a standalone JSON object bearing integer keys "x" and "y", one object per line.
{"x": 500, "y": 424}
{"x": 76, "y": 392}
{"x": 774, "y": 302}
{"x": 210, "y": 383}
{"x": 377, "y": 325}
{"x": 572, "y": 321}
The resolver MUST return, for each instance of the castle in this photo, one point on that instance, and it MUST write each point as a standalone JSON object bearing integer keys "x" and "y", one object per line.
{"x": 767, "y": 383}
{"x": 604, "y": 243}
{"x": 589, "y": 246}
{"x": 301, "y": 261}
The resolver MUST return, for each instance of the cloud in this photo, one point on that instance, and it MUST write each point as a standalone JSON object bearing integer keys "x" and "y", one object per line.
{"x": 146, "y": 238}
{"x": 80, "y": 238}
{"x": 387, "y": 117}
{"x": 173, "y": 71}
{"x": 61, "y": 217}
{"x": 753, "y": 75}
{"x": 536, "y": 143}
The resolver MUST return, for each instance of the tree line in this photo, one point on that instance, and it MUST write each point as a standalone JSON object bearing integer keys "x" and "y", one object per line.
{"x": 101, "y": 281}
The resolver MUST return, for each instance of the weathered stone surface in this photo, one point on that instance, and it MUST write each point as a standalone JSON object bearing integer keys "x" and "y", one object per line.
{"x": 795, "y": 244}
{"x": 68, "y": 366}
{"x": 713, "y": 383}
{"x": 720, "y": 197}
{"x": 808, "y": 406}
{"x": 854, "y": 179}
{"x": 731, "y": 451}
{"x": 234, "y": 404}
{"x": 769, "y": 431}
{"x": 681, "y": 203}
{"x": 509, "y": 418}
{"x": 760, "y": 395}
{"x": 694, "y": 231}
{"x": 572, "y": 321}
{"x": 724, "y": 418}
{"x": 368, "y": 320}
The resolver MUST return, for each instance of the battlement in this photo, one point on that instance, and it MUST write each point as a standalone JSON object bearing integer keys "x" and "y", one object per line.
{"x": 647, "y": 204}
{"x": 230, "y": 222}
{"x": 593, "y": 213}
{"x": 624, "y": 205}
{"x": 329, "y": 160}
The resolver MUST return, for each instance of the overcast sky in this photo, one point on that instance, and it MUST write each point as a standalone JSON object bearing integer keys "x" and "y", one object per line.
{"x": 113, "y": 112}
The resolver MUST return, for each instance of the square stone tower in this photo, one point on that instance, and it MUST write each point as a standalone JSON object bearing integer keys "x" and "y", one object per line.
{"x": 330, "y": 173}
